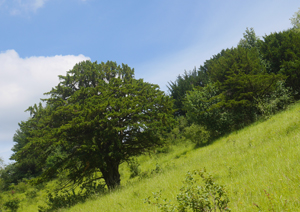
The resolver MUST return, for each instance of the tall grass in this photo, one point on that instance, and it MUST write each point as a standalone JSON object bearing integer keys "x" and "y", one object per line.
{"x": 258, "y": 165}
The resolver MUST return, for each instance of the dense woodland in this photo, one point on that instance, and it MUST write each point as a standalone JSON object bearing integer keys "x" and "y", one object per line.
{"x": 99, "y": 116}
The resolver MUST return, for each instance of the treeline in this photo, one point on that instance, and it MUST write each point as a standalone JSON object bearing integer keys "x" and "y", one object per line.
{"x": 239, "y": 85}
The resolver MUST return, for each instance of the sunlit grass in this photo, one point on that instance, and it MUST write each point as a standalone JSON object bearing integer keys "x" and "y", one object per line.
{"x": 258, "y": 165}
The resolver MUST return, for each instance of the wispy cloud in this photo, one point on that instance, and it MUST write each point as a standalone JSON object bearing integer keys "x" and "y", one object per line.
{"x": 18, "y": 7}
{"x": 36, "y": 4}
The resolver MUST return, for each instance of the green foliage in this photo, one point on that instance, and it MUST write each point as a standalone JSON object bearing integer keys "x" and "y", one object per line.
{"x": 12, "y": 204}
{"x": 151, "y": 172}
{"x": 165, "y": 149}
{"x": 195, "y": 197}
{"x": 243, "y": 83}
{"x": 295, "y": 20}
{"x": 250, "y": 39}
{"x": 182, "y": 122}
{"x": 134, "y": 169}
{"x": 68, "y": 198}
{"x": 9, "y": 176}
{"x": 28, "y": 166}
{"x": 247, "y": 161}
{"x": 96, "y": 118}
{"x": 22, "y": 186}
{"x": 278, "y": 100}
{"x": 201, "y": 109}
{"x": 175, "y": 136}
{"x": 57, "y": 155}
{"x": 197, "y": 134}
{"x": 99, "y": 116}
{"x": 184, "y": 83}
{"x": 282, "y": 51}
{"x": 238, "y": 77}
{"x": 2, "y": 166}
{"x": 31, "y": 193}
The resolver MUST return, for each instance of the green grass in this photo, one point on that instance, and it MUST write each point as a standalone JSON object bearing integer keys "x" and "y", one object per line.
{"x": 258, "y": 165}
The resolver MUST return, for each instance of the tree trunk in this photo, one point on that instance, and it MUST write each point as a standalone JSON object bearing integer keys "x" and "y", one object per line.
{"x": 111, "y": 174}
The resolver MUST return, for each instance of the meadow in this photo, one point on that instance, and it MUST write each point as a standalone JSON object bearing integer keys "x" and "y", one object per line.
{"x": 258, "y": 166}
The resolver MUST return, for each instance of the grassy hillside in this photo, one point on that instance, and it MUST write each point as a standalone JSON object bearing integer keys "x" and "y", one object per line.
{"x": 259, "y": 166}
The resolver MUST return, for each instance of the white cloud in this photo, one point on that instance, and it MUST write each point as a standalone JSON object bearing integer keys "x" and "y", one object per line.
{"x": 36, "y": 4}
{"x": 18, "y": 7}
{"x": 23, "y": 79}
{"x": 32, "y": 5}
{"x": 22, "y": 83}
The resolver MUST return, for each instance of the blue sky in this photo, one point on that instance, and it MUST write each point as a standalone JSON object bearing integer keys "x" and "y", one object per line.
{"x": 41, "y": 39}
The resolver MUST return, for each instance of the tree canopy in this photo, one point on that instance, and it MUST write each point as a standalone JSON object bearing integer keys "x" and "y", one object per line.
{"x": 236, "y": 86}
{"x": 184, "y": 83}
{"x": 281, "y": 50}
{"x": 99, "y": 116}
{"x": 295, "y": 20}
{"x": 238, "y": 78}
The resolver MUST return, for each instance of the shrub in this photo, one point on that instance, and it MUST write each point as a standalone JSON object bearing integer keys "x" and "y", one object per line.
{"x": 133, "y": 165}
{"x": 31, "y": 193}
{"x": 197, "y": 134}
{"x": 165, "y": 149}
{"x": 194, "y": 197}
{"x": 202, "y": 106}
{"x": 279, "y": 99}
{"x": 12, "y": 204}
{"x": 22, "y": 186}
{"x": 68, "y": 198}
{"x": 176, "y": 134}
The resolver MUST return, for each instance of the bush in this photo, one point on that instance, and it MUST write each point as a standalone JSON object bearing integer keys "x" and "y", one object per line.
{"x": 68, "y": 198}
{"x": 279, "y": 99}
{"x": 165, "y": 149}
{"x": 31, "y": 193}
{"x": 202, "y": 108}
{"x": 12, "y": 204}
{"x": 194, "y": 197}
{"x": 22, "y": 186}
{"x": 133, "y": 165}
{"x": 197, "y": 134}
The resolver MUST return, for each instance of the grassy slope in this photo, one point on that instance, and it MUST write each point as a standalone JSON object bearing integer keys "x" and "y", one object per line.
{"x": 259, "y": 164}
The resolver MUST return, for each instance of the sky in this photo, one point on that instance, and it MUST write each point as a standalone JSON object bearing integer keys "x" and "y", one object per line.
{"x": 160, "y": 39}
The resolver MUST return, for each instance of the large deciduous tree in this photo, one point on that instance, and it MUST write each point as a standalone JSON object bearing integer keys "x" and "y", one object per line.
{"x": 99, "y": 115}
